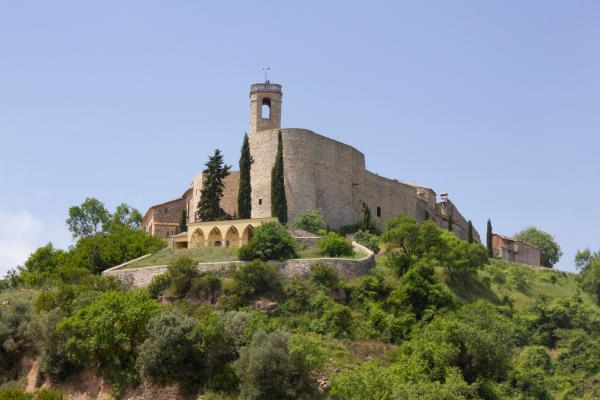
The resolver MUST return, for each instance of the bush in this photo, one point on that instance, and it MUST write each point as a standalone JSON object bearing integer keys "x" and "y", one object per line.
{"x": 46, "y": 394}
{"x": 14, "y": 394}
{"x": 159, "y": 284}
{"x": 368, "y": 240}
{"x": 268, "y": 370}
{"x": 181, "y": 271}
{"x": 15, "y": 333}
{"x": 254, "y": 280}
{"x": 397, "y": 261}
{"x": 270, "y": 241}
{"x": 325, "y": 275}
{"x": 336, "y": 320}
{"x": 311, "y": 221}
{"x": 206, "y": 287}
{"x": 172, "y": 350}
{"x": 334, "y": 245}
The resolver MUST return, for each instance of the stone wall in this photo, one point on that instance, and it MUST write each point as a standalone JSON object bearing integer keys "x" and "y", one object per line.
{"x": 349, "y": 268}
{"x": 515, "y": 250}
{"x": 228, "y": 202}
{"x": 329, "y": 175}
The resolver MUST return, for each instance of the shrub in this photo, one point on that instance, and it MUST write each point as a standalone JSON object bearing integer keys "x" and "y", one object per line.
{"x": 270, "y": 241}
{"x": 15, "y": 334}
{"x": 311, "y": 221}
{"x": 181, "y": 271}
{"x": 46, "y": 394}
{"x": 336, "y": 320}
{"x": 14, "y": 394}
{"x": 268, "y": 370}
{"x": 325, "y": 275}
{"x": 206, "y": 287}
{"x": 159, "y": 284}
{"x": 397, "y": 261}
{"x": 255, "y": 279}
{"x": 334, "y": 245}
{"x": 368, "y": 240}
{"x": 172, "y": 350}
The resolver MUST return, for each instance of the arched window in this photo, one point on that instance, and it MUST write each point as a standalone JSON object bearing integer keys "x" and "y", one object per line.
{"x": 266, "y": 108}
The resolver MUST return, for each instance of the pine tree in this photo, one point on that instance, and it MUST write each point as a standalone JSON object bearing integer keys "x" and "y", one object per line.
{"x": 209, "y": 207}
{"x": 490, "y": 248}
{"x": 470, "y": 232}
{"x": 278, "y": 199}
{"x": 245, "y": 190}
{"x": 450, "y": 223}
{"x": 183, "y": 221}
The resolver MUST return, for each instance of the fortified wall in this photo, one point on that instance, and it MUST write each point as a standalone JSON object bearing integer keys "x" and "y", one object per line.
{"x": 319, "y": 173}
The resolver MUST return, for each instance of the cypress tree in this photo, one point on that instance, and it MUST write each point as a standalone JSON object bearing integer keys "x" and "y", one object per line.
{"x": 426, "y": 216}
{"x": 245, "y": 190}
{"x": 450, "y": 223}
{"x": 470, "y": 232}
{"x": 490, "y": 248}
{"x": 278, "y": 199}
{"x": 183, "y": 221}
{"x": 209, "y": 206}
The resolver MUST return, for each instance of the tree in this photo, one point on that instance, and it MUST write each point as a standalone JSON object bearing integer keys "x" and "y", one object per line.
{"x": 270, "y": 241}
{"x": 588, "y": 264}
{"x": 267, "y": 369}
{"x": 470, "y": 232}
{"x": 127, "y": 216}
{"x": 550, "y": 251}
{"x": 87, "y": 219}
{"x": 183, "y": 221}
{"x": 310, "y": 221}
{"x": 278, "y": 198}
{"x": 450, "y": 223}
{"x": 209, "y": 206}
{"x": 42, "y": 264}
{"x": 366, "y": 220}
{"x": 490, "y": 246}
{"x": 244, "y": 200}
{"x": 334, "y": 245}
{"x": 461, "y": 259}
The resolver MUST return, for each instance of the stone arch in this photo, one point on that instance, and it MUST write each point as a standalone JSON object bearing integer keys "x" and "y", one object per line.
{"x": 232, "y": 237}
{"x": 215, "y": 237}
{"x": 198, "y": 239}
{"x": 247, "y": 233}
{"x": 265, "y": 112}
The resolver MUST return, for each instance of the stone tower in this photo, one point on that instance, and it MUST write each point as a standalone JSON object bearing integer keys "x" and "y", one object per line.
{"x": 265, "y": 106}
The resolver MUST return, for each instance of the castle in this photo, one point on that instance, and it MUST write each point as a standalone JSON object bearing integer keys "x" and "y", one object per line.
{"x": 320, "y": 173}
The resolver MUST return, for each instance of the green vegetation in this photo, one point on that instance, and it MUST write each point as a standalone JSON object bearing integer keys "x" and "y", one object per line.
{"x": 368, "y": 239}
{"x": 550, "y": 251}
{"x": 334, "y": 245}
{"x": 244, "y": 200}
{"x": 311, "y": 221}
{"x": 435, "y": 319}
{"x": 470, "y": 232}
{"x": 197, "y": 254}
{"x": 488, "y": 239}
{"x": 278, "y": 197}
{"x": 209, "y": 206}
{"x": 183, "y": 221}
{"x": 270, "y": 241}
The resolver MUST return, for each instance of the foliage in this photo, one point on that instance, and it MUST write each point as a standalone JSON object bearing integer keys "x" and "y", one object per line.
{"x": 461, "y": 259}
{"x": 334, "y": 245}
{"x": 550, "y": 251}
{"x": 367, "y": 239}
{"x": 311, "y": 221}
{"x": 588, "y": 264}
{"x": 450, "y": 223}
{"x": 270, "y": 241}
{"x": 325, "y": 275}
{"x": 42, "y": 265}
{"x": 127, "y": 216}
{"x": 206, "y": 287}
{"x": 365, "y": 224}
{"x": 183, "y": 221}
{"x": 181, "y": 273}
{"x": 107, "y": 333}
{"x": 278, "y": 197}
{"x": 336, "y": 320}
{"x": 15, "y": 328}
{"x": 14, "y": 394}
{"x": 244, "y": 200}
{"x": 489, "y": 234}
{"x": 470, "y": 232}
{"x": 267, "y": 369}
{"x": 173, "y": 350}
{"x": 46, "y": 394}
{"x": 87, "y": 219}
{"x": 158, "y": 284}
{"x": 209, "y": 206}
{"x": 254, "y": 280}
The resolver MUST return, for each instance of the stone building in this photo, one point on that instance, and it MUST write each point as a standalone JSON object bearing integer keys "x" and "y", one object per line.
{"x": 510, "y": 249}
{"x": 319, "y": 173}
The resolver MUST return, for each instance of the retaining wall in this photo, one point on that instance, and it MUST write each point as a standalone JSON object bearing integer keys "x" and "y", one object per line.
{"x": 346, "y": 267}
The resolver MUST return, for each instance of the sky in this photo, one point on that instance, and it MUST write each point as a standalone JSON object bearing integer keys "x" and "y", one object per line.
{"x": 496, "y": 103}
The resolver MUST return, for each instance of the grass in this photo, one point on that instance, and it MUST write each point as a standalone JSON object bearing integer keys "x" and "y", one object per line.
{"x": 313, "y": 252}
{"x": 198, "y": 254}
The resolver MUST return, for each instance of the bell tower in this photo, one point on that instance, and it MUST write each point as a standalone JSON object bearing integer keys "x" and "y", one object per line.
{"x": 265, "y": 106}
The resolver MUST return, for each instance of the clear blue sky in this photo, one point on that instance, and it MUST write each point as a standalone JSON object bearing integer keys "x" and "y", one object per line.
{"x": 496, "y": 102}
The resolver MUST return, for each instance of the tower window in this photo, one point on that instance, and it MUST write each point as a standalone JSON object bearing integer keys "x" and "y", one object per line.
{"x": 379, "y": 212}
{"x": 260, "y": 202}
{"x": 266, "y": 108}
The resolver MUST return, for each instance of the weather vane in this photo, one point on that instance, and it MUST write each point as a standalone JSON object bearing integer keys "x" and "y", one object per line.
{"x": 266, "y": 71}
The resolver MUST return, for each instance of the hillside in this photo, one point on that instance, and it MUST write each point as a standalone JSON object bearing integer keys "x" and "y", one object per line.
{"x": 435, "y": 319}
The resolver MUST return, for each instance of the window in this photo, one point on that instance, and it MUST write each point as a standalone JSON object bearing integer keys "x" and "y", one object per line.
{"x": 266, "y": 108}
{"x": 379, "y": 211}
{"x": 260, "y": 202}
{"x": 166, "y": 210}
